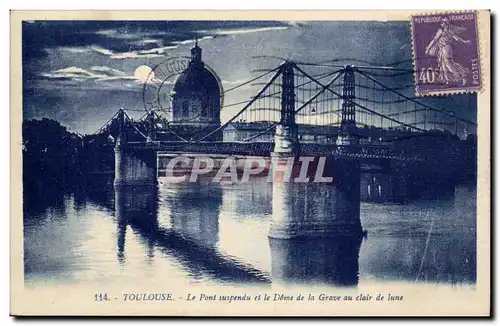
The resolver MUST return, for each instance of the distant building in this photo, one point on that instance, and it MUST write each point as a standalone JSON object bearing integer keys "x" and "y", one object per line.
{"x": 241, "y": 131}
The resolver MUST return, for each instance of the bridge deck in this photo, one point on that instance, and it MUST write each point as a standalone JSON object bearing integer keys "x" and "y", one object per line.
{"x": 266, "y": 148}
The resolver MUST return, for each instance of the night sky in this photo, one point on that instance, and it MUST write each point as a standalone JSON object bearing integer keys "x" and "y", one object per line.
{"x": 81, "y": 72}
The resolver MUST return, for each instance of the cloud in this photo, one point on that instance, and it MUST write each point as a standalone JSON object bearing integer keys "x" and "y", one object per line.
{"x": 159, "y": 50}
{"x": 101, "y": 50}
{"x": 135, "y": 54}
{"x": 95, "y": 73}
{"x": 294, "y": 23}
{"x": 244, "y": 30}
{"x": 190, "y": 41}
{"x": 109, "y": 78}
{"x": 128, "y": 34}
{"x": 73, "y": 49}
{"x": 239, "y": 81}
{"x": 108, "y": 71}
{"x": 79, "y": 79}
{"x": 149, "y": 53}
{"x": 139, "y": 42}
{"x": 98, "y": 75}
{"x": 143, "y": 42}
{"x": 125, "y": 36}
{"x": 116, "y": 34}
{"x": 73, "y": 73}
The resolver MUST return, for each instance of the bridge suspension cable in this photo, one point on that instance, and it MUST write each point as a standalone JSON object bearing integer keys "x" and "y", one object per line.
{"x": 278, "y": 73}
{"x": 395, "y": 63}
{"x": 339, "y": 73}
{"x": 168, "y": 127}
{"x": 105, "y": 124}
{"x": 362, "y": 106}
{"x": 321, "y": 108}
{"x": 324, "y": 87}
{"x": 133, "y": 125}
{"x": 349, "y": 60}
{"x": 247, "y": 103}
{"x": 402, "y": 71}
{"x": 414, "y": 100}
{"x": 391, "y": 101}
{"x": 251, "y": 80}
{"x": 316, "y": 105}
{"x": 409, "y": 72}
{"x": 267, "y": 109}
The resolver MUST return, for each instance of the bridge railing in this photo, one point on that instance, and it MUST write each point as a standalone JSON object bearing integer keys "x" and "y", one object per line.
{"x": 221, "y": 148}
{"x": 265, "y": 149}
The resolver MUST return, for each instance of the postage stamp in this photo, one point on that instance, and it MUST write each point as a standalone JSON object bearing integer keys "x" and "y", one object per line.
{"x": 446, "y": 53}
{"x": 249, "y": 163}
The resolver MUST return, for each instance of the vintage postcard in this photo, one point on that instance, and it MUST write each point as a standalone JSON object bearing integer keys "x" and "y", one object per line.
{"x": 241, "y": 163}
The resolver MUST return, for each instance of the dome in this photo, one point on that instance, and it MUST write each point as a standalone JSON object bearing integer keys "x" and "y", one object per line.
{"x": 197, "y": 78}
{"x": 196, "y": 94}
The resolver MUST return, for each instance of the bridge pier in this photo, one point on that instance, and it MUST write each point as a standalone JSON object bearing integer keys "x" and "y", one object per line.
{"x": 135, "y": 167}
{"x": 318, "y": 209}
{"x": 286, "y": 140}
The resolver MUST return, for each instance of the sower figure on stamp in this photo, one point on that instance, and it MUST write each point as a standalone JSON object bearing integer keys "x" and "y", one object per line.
{"x": 450, "y": 71}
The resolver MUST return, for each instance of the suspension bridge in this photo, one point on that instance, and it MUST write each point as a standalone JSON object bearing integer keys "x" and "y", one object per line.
{"x": 360, "y": 120}
{"x": 359, "y": 115}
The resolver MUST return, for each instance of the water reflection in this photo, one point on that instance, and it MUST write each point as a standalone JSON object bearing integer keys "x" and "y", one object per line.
{"x": 331, "y": 261}
{"x": 318, "y": 208}
{"x": 380, "y": 187}
{"x": 135, "y": 206}
{"x": 219, "y": 232}
{"x": 253, "y": 198}
{"x": 433, "y": 258}
{"x": 190, "y": 234}
{"x": 194, "y": 211}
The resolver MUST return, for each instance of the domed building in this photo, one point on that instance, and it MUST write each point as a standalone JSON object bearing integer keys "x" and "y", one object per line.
{"x": 196, "y": 100}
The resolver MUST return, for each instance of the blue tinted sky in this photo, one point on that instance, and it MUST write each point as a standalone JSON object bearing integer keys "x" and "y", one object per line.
{"x": 81, "y": 72}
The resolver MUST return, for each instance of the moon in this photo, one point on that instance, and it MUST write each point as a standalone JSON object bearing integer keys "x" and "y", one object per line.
{"x": 144, "y": 74}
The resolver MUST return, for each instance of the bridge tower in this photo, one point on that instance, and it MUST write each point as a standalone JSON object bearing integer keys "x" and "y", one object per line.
{"x": 134, "y": 166}
{"x": 286, "y": 140}
{"x": 151, "y": 121}
{"x": 348, "y": 129}
{"x": 315, "y": 206}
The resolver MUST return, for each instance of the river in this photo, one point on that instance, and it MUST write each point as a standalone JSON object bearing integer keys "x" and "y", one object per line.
{"x": 217, "y": 234}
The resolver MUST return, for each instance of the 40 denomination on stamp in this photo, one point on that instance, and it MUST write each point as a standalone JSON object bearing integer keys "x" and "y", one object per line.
{"x": 446, "y": 53}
